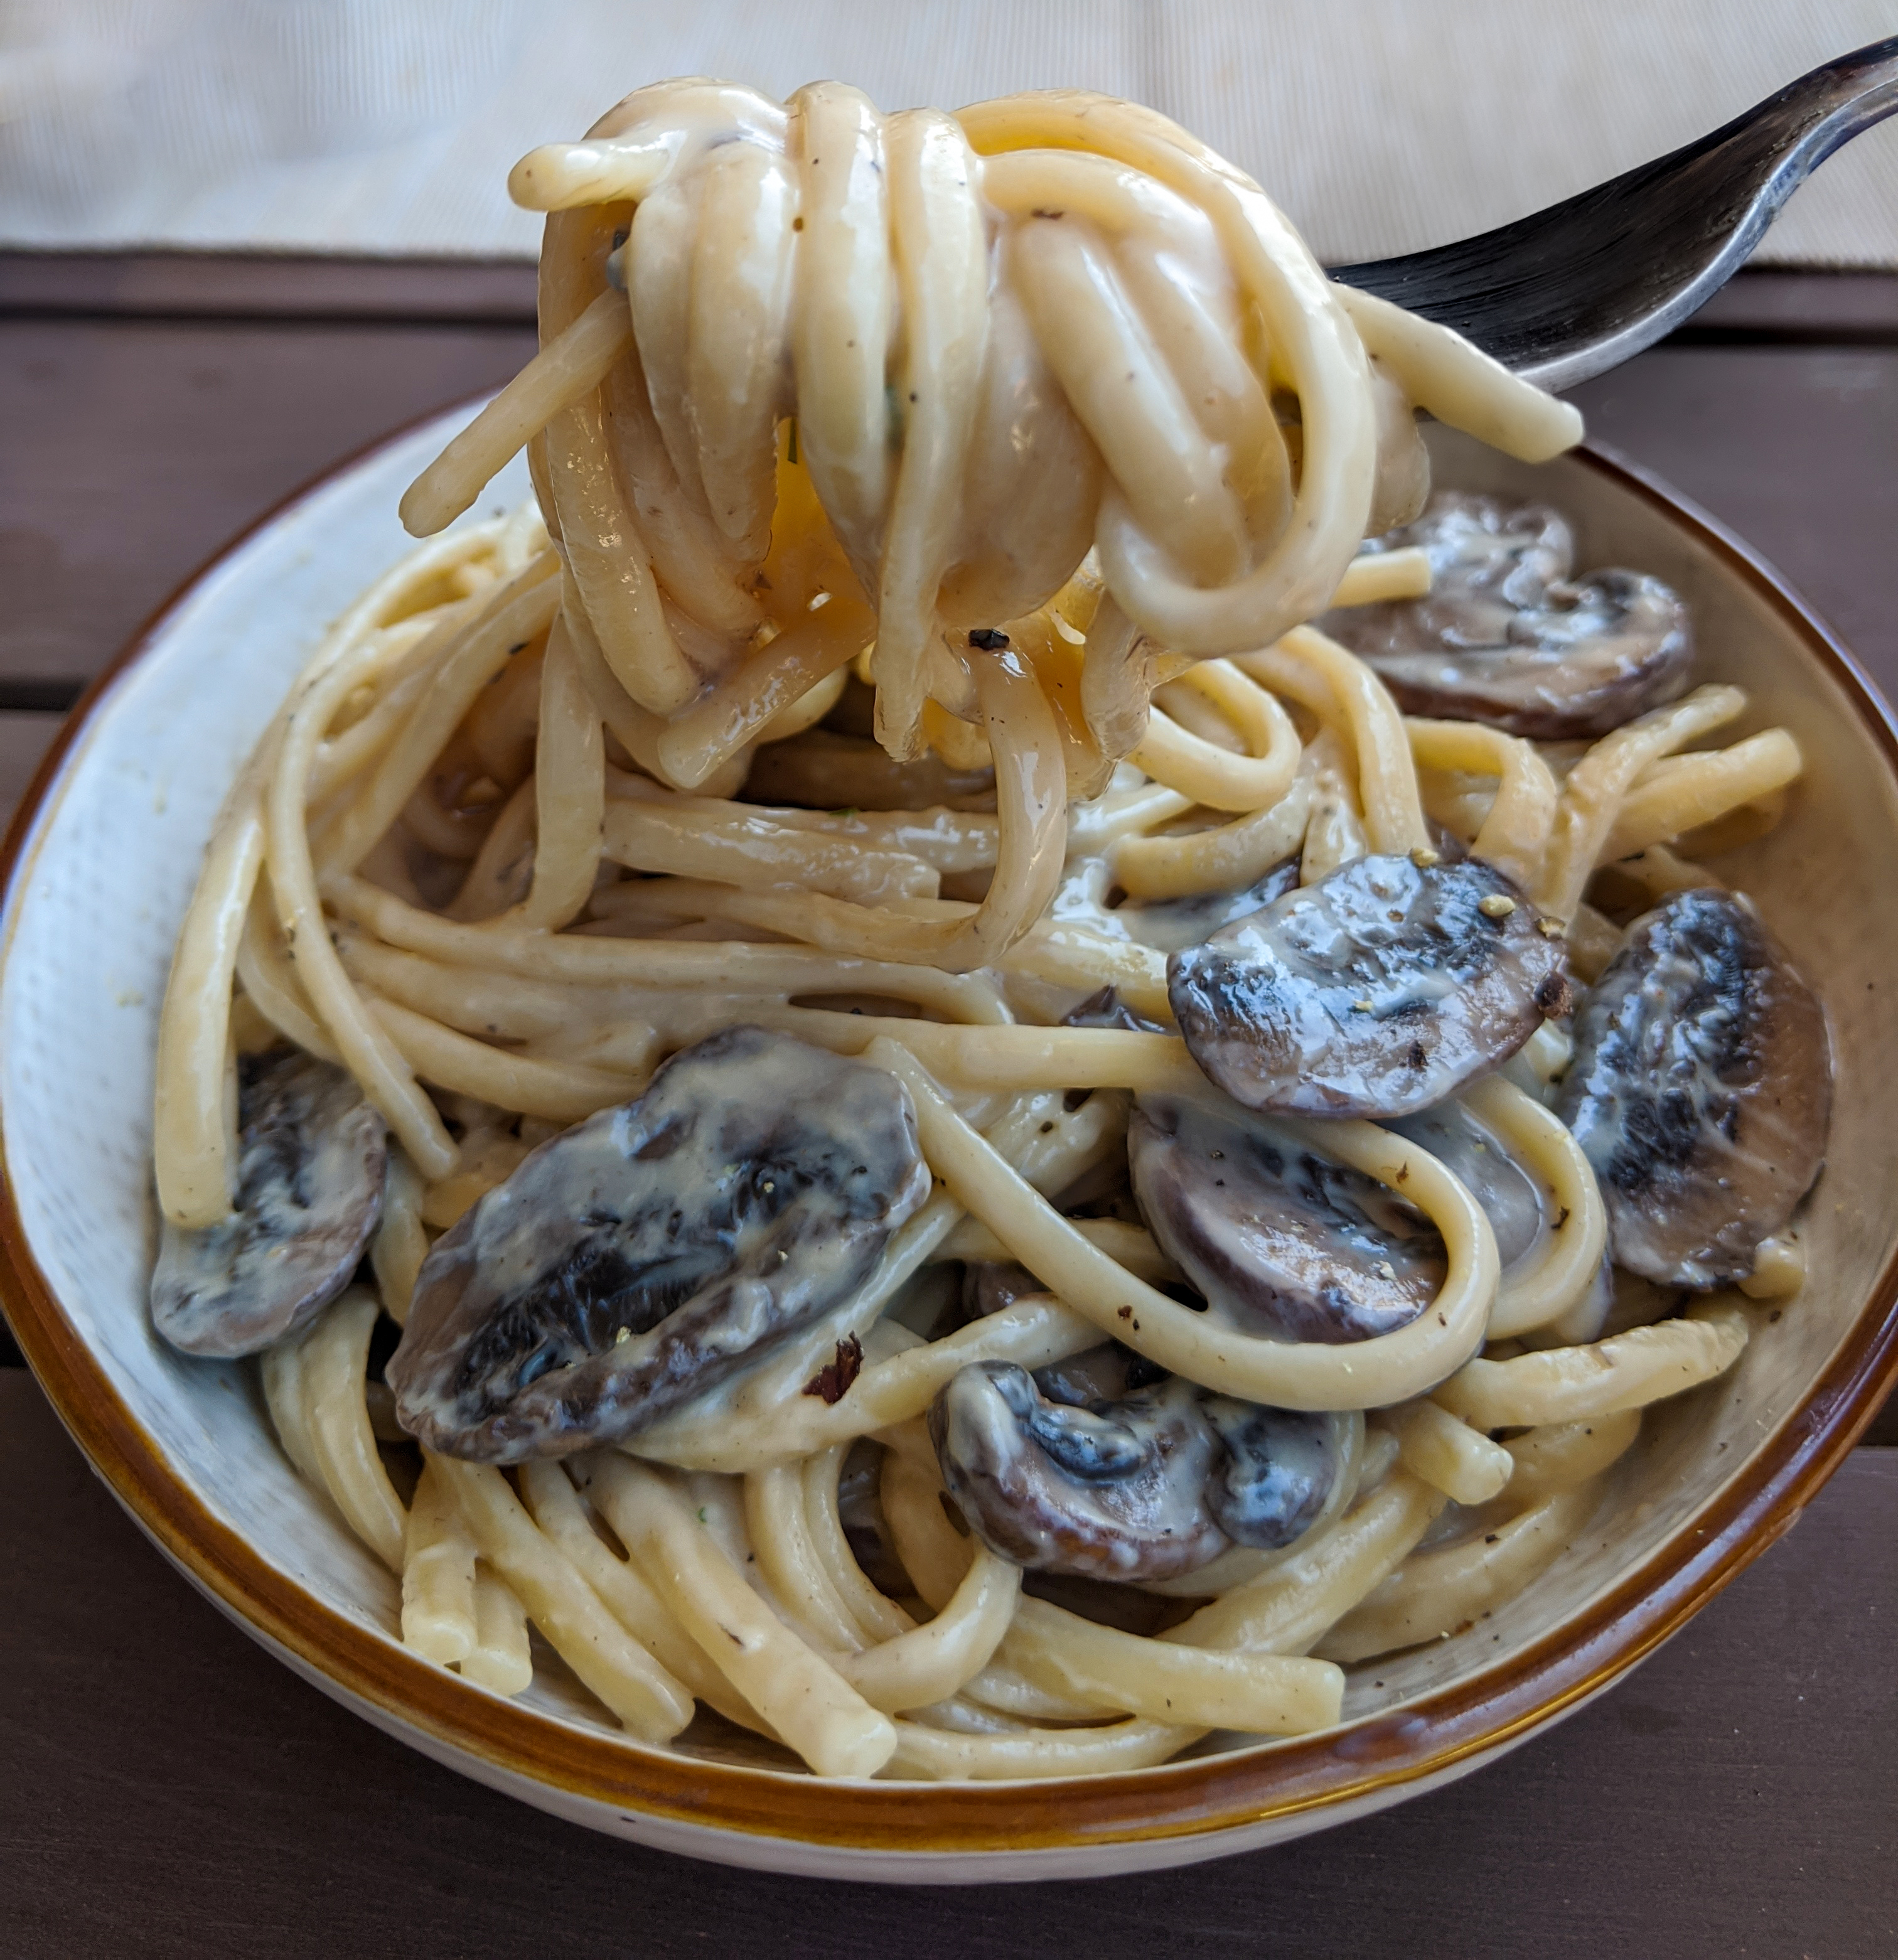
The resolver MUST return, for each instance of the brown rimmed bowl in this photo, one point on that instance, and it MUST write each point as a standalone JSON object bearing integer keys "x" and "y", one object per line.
{"x": 100, "y": 863}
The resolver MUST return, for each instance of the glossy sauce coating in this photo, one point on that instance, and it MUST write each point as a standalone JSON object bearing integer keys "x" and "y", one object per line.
{"x": 1507, "y": 637}
{"x": 1146, "y": 1483}
{"x": 1476, "y": 1156}
{"x": 1378, "y": 991}
{"x": 1281, "y": 1241}
{"x": 652, "y": 1250}
{"x": 310, "y": 1175}
{"x": 1117, "y": 1493}
{"x": 1701, "y": 1090}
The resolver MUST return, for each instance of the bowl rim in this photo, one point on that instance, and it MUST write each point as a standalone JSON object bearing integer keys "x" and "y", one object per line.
{"x": 1376, "y": 1756}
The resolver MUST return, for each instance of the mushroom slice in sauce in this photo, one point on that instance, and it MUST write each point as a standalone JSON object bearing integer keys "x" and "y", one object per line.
{"x": 1378, "y": 991}
{"x": 1490, "y": 558}
{"x": 1143, "y": 1485}
{"x": 312, "y": 1155}
{"x": 988, "y": 1286}
{"x": 652, "y": 1250}
{"x": 1282, "y": 1242}
{"x": 1701, "y": 1090}
{"x": 1119, "y": 1493}
{"x": 860, "y": 1510}
{"x": 1279, "y": 1469}
{"x": 1106, "y": 1009}
{"x": 1102, "y": 1374}
{"x": 1480, "y": 1161}
{"x": 1505, "y": 637}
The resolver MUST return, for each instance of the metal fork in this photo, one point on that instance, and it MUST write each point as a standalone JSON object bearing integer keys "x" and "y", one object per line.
{"x": 1575, "y": 290}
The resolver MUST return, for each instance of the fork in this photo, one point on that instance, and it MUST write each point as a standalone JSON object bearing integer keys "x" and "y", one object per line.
{"x": 1568, "y": 293}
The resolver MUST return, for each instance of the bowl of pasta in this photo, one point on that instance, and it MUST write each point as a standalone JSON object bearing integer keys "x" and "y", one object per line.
{"x": 1005, "y": 1048}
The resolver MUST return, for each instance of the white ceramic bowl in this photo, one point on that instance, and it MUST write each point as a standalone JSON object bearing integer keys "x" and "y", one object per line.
{"x": 102, "y": 859}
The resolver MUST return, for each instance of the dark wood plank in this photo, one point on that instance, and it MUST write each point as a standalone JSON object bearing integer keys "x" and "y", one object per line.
{"x": 137, "y": 445}
{"x": 264, "y": 285}
{"x": 171, "y": 1790}
{"x": 1772, "y": 303}
{"x": 227, "y": 285}
{"x": 24, "y": 739}
{"x": 134, "y": 449}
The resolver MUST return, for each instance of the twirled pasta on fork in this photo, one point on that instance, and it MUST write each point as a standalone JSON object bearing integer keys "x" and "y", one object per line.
{"x": 973, "y": 1001}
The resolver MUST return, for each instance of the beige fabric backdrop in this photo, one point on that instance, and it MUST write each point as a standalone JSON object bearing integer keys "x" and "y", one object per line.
{"x": 1381, "y": 125}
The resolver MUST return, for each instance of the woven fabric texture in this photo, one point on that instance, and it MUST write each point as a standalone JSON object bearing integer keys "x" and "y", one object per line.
{"x": 1381, "y": 125}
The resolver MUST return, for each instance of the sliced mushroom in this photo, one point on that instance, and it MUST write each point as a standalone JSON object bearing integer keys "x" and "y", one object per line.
{"x": 1149, "y": 1486}
{"x": 1378, "y": 991}
{"x": 1106, "y": 1009}
{"x": 1282, "y": 1242}
{"x": 1280, "y": 1467}
{"x": 312, "y": 1158}
{"x": 1120, "y": 1494}
{"x": 1489, "y": 559}
{"x": 1102, "y": 1374}
{"x": 989, "y": 1285}
{"x": 1701, "y": 1090}
{"x": 1504, "y": 636}
{"x": 652, "y": 1250}
{"x": 1478, "y": 1158}
{"x": 860, "y": 1510}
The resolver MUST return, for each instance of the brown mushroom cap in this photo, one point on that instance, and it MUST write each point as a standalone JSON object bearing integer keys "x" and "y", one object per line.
{"x": 1282, "y": 1242}
{"x": 312, "y": 1158}
{"x": 1280, "y": 1469}
{"x": 1104, "y": 1374}
{"x": 1479, "y": 1160}
{"x": 1701, "y": 1090}
{"x": 1505, "y": 636}
{"x": 1149, "y": 1486}
{"x": 988, "y": 1286}
{"x": 1116, "y": 1494}
{"x": 1490, "y": 558}
{"x": 653, "y": 1249}
{"x": 1378, "y": 991}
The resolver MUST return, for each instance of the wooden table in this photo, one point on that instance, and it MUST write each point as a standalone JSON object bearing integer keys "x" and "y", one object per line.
{"x": 166, "y": 1789}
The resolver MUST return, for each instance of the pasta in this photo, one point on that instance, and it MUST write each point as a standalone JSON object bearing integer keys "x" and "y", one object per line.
{"x": 809, "y": 822}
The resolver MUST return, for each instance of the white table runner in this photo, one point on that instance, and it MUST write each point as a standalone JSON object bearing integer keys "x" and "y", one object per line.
{"x": 1381, "y": 125}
